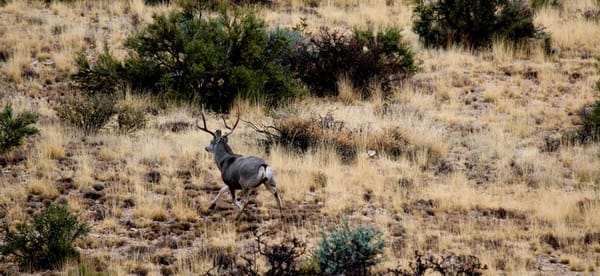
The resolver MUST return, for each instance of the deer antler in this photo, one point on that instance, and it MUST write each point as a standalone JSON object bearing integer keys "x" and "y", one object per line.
{"x": 231, "y": 129}
{"x": 204, "y": 121}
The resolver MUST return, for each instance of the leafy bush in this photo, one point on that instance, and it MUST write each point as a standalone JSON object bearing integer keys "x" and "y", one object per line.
{"x": 362, "y": 57}
{"x": 190, "y": 57}
{"x": 349, "y": 251}
{"x": 14, "y": 128}
{"x": 47, "y": 243}
{"x": 474, "y": 24}
{"x": 89, "y": 113}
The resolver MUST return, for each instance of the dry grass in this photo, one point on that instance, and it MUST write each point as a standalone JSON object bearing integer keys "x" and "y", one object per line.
{"x": 471, "y": 176}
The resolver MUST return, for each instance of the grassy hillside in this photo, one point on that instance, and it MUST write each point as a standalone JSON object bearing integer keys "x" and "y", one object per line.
{"x": 482, "y": 168}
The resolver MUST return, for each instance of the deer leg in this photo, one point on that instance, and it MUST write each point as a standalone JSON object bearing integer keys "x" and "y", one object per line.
{"x": 245, "y": 201}
{"x": 273, "y": 189}
{"x": 233, "y": 197}
{"x": 213, "y": 204}
{"x": 238, "y": 203}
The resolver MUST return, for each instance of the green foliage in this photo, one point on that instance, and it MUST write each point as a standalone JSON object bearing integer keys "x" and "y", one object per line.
{"x": 101, "y": 77}
{"x": 47, "y": 243}
{"x": 474, "y": 24}
{"x": 88, "y": 113}
{"x": 185, "y": 56}
{"x": 365, "y": 56}
{"x": 14, "y": 128}
{"x": 349, "y": 251}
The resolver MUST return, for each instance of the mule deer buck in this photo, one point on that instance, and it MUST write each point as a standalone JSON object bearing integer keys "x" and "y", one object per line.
{"x": 237, "y": 171}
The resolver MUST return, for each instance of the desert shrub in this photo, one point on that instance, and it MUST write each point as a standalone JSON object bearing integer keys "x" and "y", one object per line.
{"x": 47, "y": 243}
{"x": 185, "y": 56}
{"x": 130, "y": 118}
{"x": 590, "y": 123}
{"x": 474, "y": 24}
{"x": 215, "y": 5}
{"x": 364, "y": 56}
{"x": 156, "y": 2}
{"x": 281, "y": 258}
{"x": 88, "y": 113}
{"x": 15, "y": 127}
{"x": 449, "y": 264}
{"x": 349, "y": 251}
{"x": 301, "y": 134}
{"x": 538, "y": 4}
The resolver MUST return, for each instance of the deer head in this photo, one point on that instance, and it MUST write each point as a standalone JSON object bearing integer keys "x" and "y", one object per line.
{"x": 218, "y": 137}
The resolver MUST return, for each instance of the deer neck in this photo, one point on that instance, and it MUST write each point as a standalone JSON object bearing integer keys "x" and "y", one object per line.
{"x": 222, "y": 154}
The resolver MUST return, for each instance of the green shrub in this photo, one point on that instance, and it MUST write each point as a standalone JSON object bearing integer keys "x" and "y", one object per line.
{"x": 365, "y": 56}
{"x": 101, "y": 77}
{"x": 14, "y": 128}
{"x": 349, "y": 251}
{"x": 47, "y": 243}
{"x": 474, "y": 24}
{"x": 185, "y": 56}
{"x": 89, "y": 113}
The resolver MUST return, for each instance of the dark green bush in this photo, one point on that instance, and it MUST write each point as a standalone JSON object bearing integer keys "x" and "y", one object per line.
{"x": 89, "y": 113}
{"x": 366, "y": 55}
{"x": 185, "y": 56}
{"x": 101, "y": 77}
{"x": 349, "y": 251}
{"x": 474, "y": 24}
{"x": 14, "y": 128}
{"x": 45, "y": 244}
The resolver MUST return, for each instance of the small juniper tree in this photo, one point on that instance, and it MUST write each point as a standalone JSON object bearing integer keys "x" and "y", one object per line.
{"x": 13, "y": 128}
{"x": 45, "y": 244}
{"x": 474, "y": 23}
{"x": 350, "y": 251}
